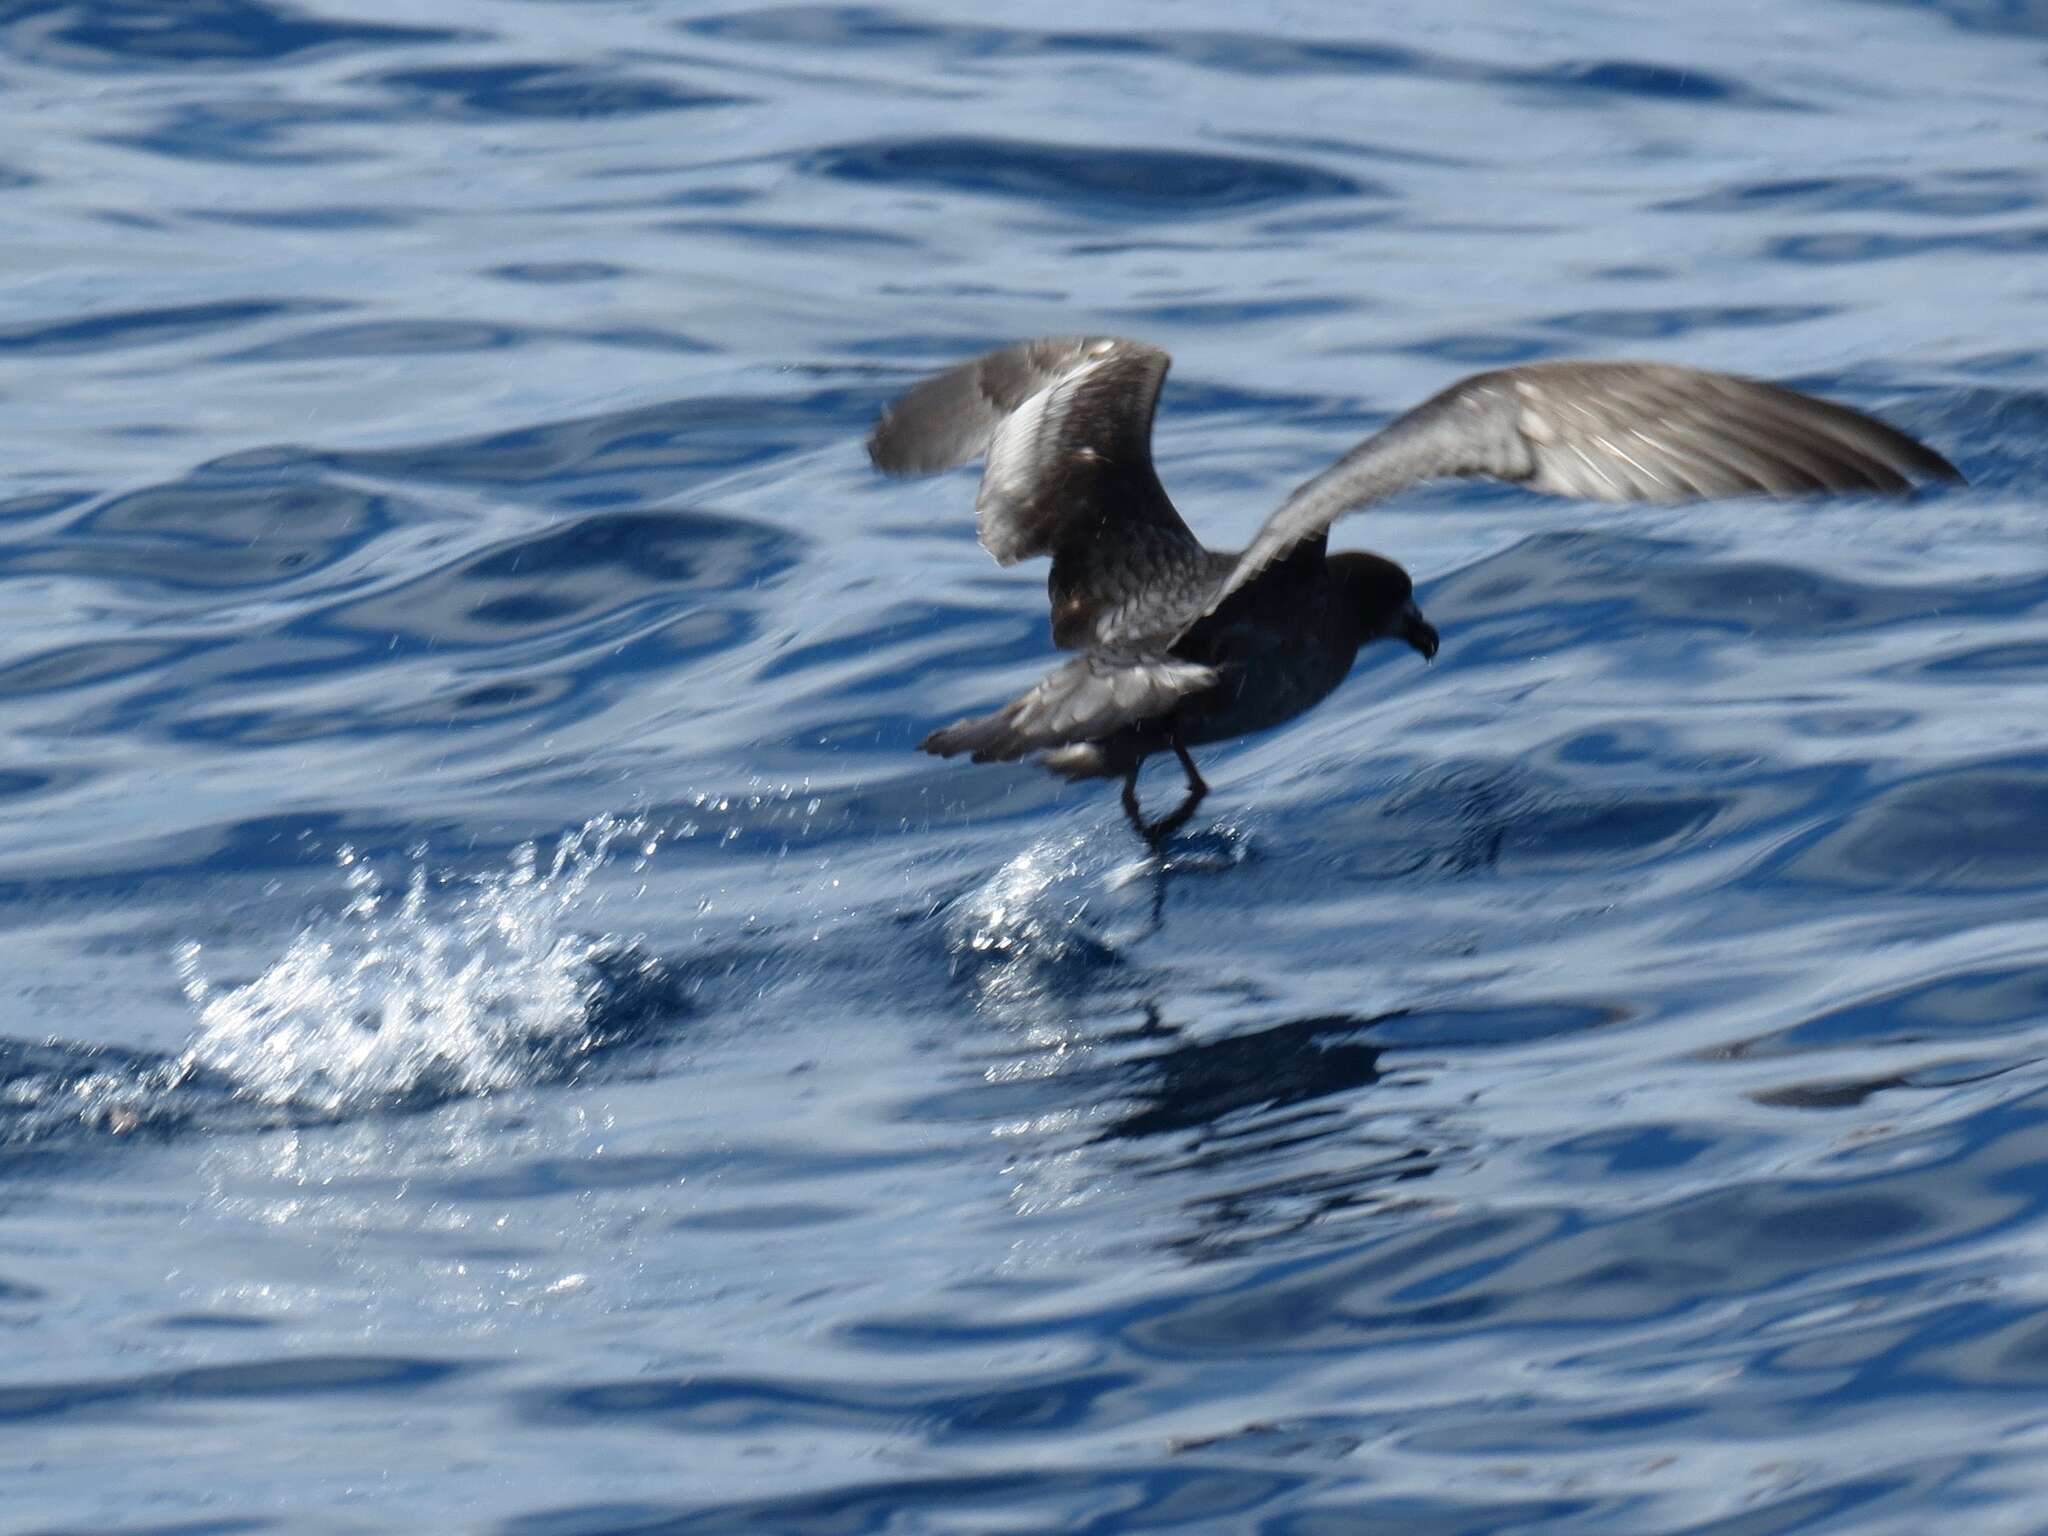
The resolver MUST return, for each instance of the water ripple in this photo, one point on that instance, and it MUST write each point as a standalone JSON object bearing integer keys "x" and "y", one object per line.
{"x": 536, "y": 90}
{"x": 103, "y": 35}
{"x": 496, "y": 996}
{"x": 1087, "y": 179}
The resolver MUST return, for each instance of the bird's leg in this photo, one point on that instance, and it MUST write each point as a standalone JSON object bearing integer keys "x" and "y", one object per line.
{"x": 1160, "y": 830}
{"x": 1131, "y": 799}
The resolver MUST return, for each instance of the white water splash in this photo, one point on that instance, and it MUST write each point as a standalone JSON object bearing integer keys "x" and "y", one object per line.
{"x": 1035, "y": 907}
{"x": 441, "y": 986}
{"x": 1081, "y": 899}
{"x": 1037, "y": 926}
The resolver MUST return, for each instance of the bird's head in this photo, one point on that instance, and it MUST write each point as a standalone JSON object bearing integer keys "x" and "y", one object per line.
{"x": 1383, "y": 597}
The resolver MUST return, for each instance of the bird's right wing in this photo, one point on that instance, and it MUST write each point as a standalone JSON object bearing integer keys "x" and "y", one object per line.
{"x": 1066, "y": 425}
{"x": 1609, "y": 432}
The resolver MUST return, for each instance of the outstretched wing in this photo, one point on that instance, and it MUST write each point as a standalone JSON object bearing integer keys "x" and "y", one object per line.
{"x": 1091, "y": 697}
{"x": 1610, "y": 432}
{"x": 1066, "y": 425}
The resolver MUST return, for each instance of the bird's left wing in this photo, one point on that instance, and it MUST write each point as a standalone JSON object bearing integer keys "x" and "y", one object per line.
{"x": 1608, "y": 432}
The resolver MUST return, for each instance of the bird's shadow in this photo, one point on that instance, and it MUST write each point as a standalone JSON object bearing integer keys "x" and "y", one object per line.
{"x": 1235, "y": 1119}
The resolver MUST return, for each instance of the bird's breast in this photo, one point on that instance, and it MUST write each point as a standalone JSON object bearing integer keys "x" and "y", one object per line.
{"x": 1270, "y": 672}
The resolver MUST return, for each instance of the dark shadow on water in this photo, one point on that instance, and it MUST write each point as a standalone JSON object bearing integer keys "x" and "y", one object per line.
{"x": 1272, "y": 1133}
{"x": 1256, "y": 1138}
{"x": 1193, "y": 1085}
{"x": 1268, "y": 1135}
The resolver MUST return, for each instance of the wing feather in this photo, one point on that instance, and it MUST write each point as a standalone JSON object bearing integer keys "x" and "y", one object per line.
{"x": 1065, "y": 424}
{"x": 1610, "y": 432}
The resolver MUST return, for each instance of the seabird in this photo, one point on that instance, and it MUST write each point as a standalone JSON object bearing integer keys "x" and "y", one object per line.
{"x": 1181, "y": 645}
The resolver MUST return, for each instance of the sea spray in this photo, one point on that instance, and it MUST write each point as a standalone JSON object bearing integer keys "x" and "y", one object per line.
{"x": 433, "y": 986}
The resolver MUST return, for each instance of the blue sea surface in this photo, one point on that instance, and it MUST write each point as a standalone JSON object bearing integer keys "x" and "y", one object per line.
{"x": 506, "y": 1034}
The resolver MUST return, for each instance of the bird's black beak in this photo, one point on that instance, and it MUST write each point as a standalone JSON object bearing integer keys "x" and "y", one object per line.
{"x": 1411, "y": 626}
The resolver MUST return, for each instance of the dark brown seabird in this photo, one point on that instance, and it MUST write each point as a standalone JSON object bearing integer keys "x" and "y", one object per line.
{"x": 1182, "y": 645}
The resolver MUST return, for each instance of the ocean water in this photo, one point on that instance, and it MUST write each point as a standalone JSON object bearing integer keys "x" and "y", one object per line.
{"x": 505, "y": 1034}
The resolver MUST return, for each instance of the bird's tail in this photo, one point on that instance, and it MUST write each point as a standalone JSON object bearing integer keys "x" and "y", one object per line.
{"x": 990, "y": 738}
{"x": 1088, "y": 699}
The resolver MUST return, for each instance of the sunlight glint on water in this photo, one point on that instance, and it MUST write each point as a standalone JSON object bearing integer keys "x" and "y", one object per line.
{"x": 1593, "y": 1084}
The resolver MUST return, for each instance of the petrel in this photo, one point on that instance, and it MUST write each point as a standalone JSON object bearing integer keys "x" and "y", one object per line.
{"x": 1181, "y": 645}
